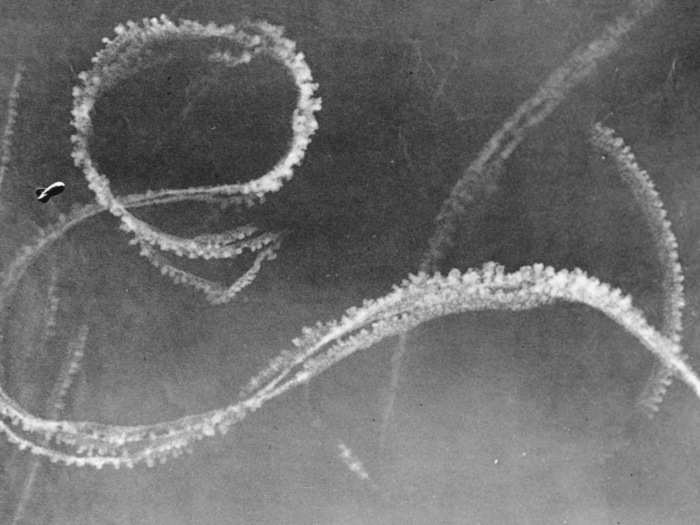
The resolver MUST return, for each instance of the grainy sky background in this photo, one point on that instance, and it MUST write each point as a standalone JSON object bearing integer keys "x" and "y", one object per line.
{"x": 501, "y": 418}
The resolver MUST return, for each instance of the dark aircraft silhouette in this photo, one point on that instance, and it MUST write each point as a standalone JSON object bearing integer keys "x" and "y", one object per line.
{"x": 44, "y": 194}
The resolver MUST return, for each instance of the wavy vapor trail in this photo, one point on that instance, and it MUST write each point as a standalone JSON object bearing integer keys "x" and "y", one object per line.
{"x": 417, "y": 300}
{"x": 55, "y": 401}
{"x": 10, "y": 119}
{"x": 55, "y": 404}
{"x": 122, "y": 57}
{"x": 482, "y": 176}
{"x": 128, "y": 53}
{"x": 666, "y": 247}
